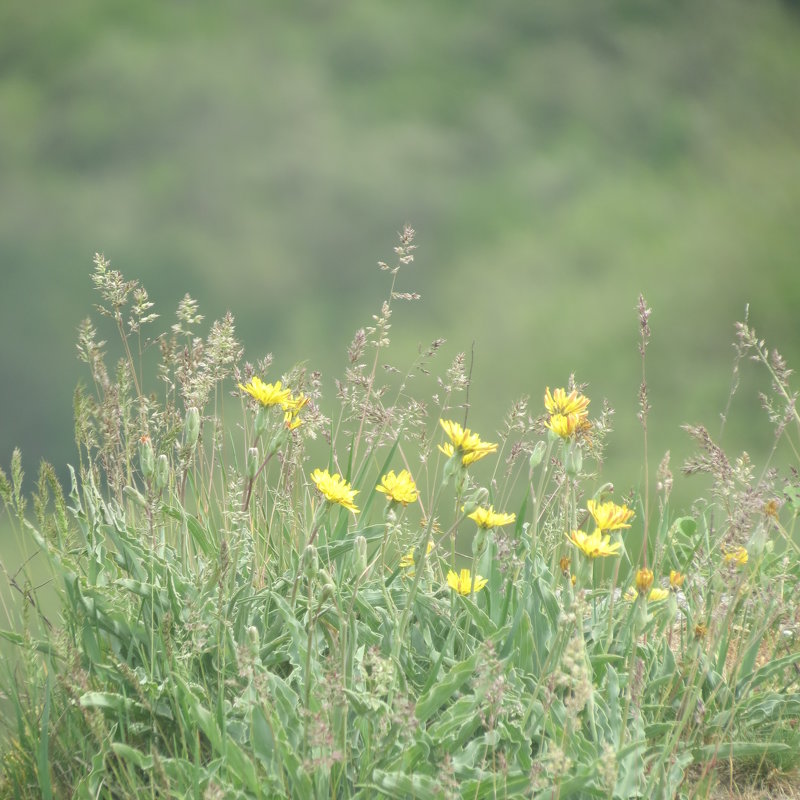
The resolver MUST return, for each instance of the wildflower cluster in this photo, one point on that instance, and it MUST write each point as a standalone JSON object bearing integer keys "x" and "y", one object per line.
{"x": 227, "y": 631}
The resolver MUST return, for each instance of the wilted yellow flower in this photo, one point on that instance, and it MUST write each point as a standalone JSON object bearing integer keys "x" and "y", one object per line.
{"x": 488, "y": 518}
{"x": 771, "y": 508}
{"x": 291, "y": 420}
{"x": 399, "y": 488}
{"x": 335, "y": 488}
{"x": 463, "y": 441}
{"x": 295, "y": 403}
{"x": 609, "y": 516}
{"x": 656, "y": 594}
{"x": 267, "y": 394}
{"x": 559, "y": 402}
{"x": 676, "y": 579}
{"x": 700, "y": 630}
{"x": 462, "y": 582}
{"x": 738, "y": 556}
{"x": 408, "y": 559}
{"x": 644, "y": 580}
{"x": 595, "y": 544}
{"x": 563, "y": 564}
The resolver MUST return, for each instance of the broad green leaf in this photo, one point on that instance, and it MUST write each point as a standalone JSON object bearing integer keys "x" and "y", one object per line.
{"x": 430, "y": 701}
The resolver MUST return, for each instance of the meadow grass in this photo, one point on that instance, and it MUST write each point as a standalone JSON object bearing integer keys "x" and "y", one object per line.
{"x": 256, "y": 599}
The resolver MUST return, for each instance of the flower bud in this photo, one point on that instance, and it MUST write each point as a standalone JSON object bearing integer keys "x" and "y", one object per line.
{"x": 310, "y": 562}
{"x": 451, "y": 468}
{"x": 191, "y": 427}
{"x": 147, "y": 460}
{"x": 537, "y": 455}
{"x": 475, "y": 500}
{"x": 644, "y": 580}
{"x": 253, "y": 639}
{"x": 252, "y": 462}
{"x": 162, "y": 472}
{"x": 328, "y": 586}
{"x": 573, "y": 459}
{"x": 479, "y": 542}
{"x": 135, "y": 495}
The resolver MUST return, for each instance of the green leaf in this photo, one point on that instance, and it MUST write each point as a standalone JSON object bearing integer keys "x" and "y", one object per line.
{"x": 108, "y": 701}
{"x": 734, "y": 750}
{"x": 403, "y": 786}
{"x": 132, "y": 755}
{"x": 430, "y": 701}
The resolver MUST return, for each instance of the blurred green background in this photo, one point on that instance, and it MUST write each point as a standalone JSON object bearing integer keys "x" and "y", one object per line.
{"x": 556, "y": 159}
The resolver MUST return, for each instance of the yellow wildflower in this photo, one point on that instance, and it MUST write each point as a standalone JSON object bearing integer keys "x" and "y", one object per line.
{"x": 465, "y": 442}
{"x": 408, "y": 559}
{"x": 595, "y": 544}
{"x": 738, "y": 556}
{"x": 335, "y": 488}
{"x": 676, "y": 579}
{"x": 656, "y": 594}
{"x": 488, "y": 518}
{"x": 462, "y": 582}
{"x": 609, "y": 516}
{"x": 564, "y": 425}
{"x": 559, "y": 402}
{"x": 644, "y": 580}
{"x": 267, "y": 394}
{"x": 398, "y": 488}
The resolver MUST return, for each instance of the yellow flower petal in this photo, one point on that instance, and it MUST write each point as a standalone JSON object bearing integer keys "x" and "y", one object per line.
{"x": 595, "y": 544}
{"x": 335, "y": 489}
{"x": 609, "y": 516}
{"x": 399, "y": 488}
{"x": 462, "y": 582}
{"x": 488, "y": 518}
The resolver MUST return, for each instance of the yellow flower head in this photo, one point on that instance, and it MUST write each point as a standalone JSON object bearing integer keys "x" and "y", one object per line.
{"x": 559, "y": 402}
{"x": 644, "y": 580}
{"x": 609, "y": 516}
{"x": 676, "y": 579}
{"x": 488, "y": 518}
{"x": 335, "y": 489}
{"x": 267, "y": 394}
{"x": 656, "y": 594}
{"x": 407, "y": 561}
{"x": 463, "y": 441}
{"x": 595, "y": 544}
{"x": 564, "y": 425}
{"x": 738, "y": 556}
{"x": 462, "y": 582}
{"x": 398, "y": 488}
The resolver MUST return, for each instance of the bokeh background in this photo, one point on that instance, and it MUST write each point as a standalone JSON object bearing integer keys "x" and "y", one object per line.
{"x": 556, "y": 159}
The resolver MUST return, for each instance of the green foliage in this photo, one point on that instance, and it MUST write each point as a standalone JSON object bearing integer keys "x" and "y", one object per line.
{"x": 226, "y": 629}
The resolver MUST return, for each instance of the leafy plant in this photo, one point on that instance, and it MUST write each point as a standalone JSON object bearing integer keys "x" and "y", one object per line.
{"x": 284, "y": 604}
